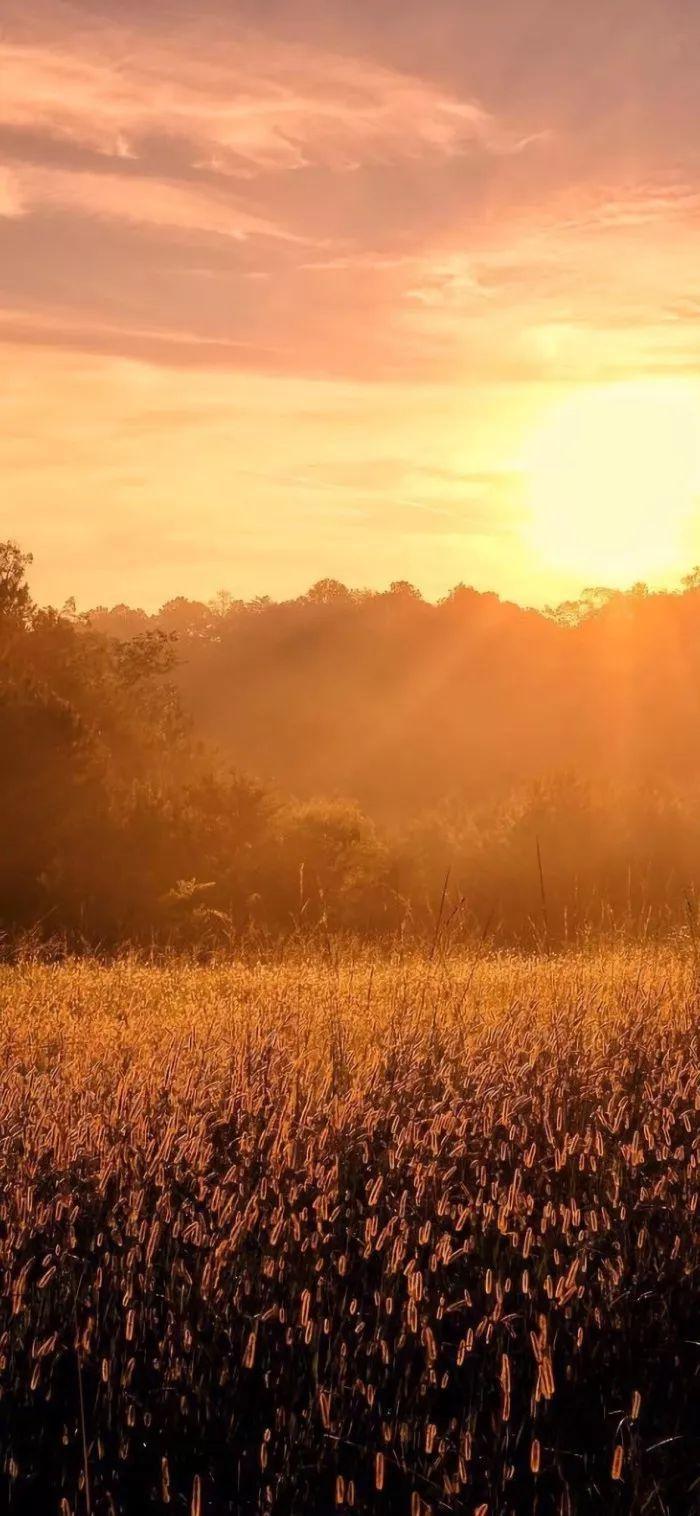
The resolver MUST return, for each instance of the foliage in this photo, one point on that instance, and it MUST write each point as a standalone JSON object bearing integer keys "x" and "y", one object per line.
{"x": 14, "y": 591}
{"x": 401, "y": 704}
{"x": 119, "y": 822}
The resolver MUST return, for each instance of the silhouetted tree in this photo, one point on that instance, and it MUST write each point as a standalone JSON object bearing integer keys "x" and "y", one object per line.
{"x": 15, "y": 600}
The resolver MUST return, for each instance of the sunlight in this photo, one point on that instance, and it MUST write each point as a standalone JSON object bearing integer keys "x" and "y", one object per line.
{"x": 613, "y": 481}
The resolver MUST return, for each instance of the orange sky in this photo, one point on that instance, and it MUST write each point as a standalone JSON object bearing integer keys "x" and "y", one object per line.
{"x": 287, "y": 289}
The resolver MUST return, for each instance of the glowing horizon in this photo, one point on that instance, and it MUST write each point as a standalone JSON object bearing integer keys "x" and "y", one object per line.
{"x": 349, "y": 294}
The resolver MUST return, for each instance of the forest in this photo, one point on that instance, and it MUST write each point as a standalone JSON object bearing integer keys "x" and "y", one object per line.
{"x": 349, "y": 760}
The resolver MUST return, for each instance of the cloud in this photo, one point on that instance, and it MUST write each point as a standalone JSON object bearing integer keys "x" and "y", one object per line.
{"x": 219, "y": 197}
{"x": 394, "y": 493}
{"x": 448, "y": 281}
{"x": 148, "y": 201}
{"x": 11, "y": 201}
{"x": 67, "y": 332}
{"x": 630, "y": 206}
{"x": 208, "y": 130}
{"x": 244, "y": 106}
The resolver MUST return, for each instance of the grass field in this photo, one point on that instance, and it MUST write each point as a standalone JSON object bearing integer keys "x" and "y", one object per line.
{"x": 395, "y": 1235}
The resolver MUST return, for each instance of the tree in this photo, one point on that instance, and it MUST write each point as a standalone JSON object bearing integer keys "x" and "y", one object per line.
{"x": 145, "y": 657}
{"x": 328, "y": 592}
{"x": 121, "y": 621}
{"x": 592, "y": 600}
{"x": 186, "y": 618}
{"x": 45, "y": 754}
{"x": 403, "y": 590}
{"x": 15, "y": 600}
{"x": 224, "y": 604}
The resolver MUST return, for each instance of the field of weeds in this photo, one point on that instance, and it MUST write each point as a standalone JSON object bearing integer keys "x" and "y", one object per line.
{"x": 406, "y": 1235}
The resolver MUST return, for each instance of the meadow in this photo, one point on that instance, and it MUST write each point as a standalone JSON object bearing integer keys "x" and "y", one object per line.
{"x": 340, "y": 1231}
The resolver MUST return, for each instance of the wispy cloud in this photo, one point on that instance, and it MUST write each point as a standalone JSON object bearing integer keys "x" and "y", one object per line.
{"x": 177, "y": 347}
{"x": 244, "y": 110}
{"x": 652, "y": 202}
{"x": 137, "y": 198}
{"x": 11, "y": 201}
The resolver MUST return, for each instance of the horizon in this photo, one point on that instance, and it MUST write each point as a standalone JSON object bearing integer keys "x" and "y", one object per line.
{"x": 153, "y": 607}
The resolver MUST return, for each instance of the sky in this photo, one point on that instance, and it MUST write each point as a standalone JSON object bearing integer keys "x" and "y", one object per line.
{"x": 304, "y": 288}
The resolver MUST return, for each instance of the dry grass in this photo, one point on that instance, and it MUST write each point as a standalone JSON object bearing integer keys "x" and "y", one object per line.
{"x": 383, "y": 1235}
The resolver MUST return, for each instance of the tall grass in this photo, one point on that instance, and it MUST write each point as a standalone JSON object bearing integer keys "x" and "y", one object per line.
{"x": 412, "y": 1234}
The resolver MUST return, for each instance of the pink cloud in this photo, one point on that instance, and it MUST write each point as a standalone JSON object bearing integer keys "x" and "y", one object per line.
{"x": 11, "y": 201}
{"x": 137, "y": 198}
{"x": 246, "y": 108}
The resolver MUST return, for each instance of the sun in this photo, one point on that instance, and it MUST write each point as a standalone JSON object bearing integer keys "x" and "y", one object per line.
{"x": 612, "y": 481}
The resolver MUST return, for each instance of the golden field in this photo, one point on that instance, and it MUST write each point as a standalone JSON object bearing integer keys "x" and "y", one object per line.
{"x": 339, "y": 1231}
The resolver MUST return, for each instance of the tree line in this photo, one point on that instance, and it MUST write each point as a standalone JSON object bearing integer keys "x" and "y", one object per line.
{"x": 347, "y": 760}
{"x": 402, "y": 704}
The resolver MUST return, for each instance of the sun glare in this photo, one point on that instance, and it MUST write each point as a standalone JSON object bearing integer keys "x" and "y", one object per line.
{"x": 613, "y": 481}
